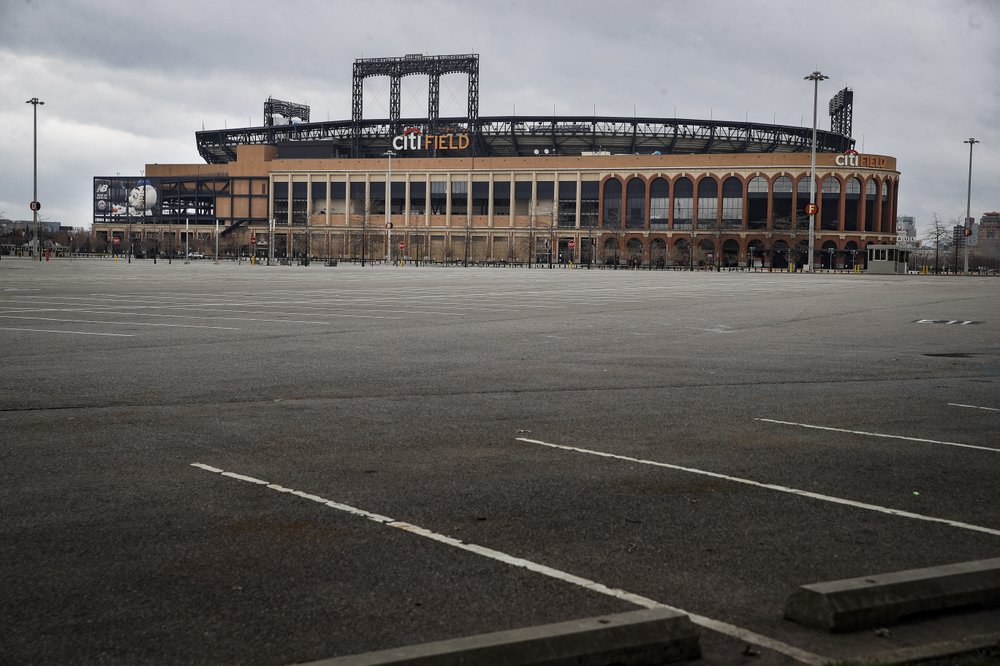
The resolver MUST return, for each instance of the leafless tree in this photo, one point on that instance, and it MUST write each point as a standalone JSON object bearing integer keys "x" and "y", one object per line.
{"x": 937, "y": 235}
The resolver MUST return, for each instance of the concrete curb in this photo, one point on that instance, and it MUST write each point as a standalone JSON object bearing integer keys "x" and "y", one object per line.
{"x": 653, "y": 636}
{"x": 871, "y": 601}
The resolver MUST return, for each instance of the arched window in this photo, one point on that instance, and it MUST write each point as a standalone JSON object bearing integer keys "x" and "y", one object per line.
{"x": 830, "y": 220}
{"x": 683, "y": 203}
{"x": 612, "y": 203}
{"x": 781, "y": 205}
{"x": 732, "y": 203}
{"x": 635, "y": 204}
{"x": 853, "y": 204}
{"x": 757, "y": 202}
{"x": 871, "y": 204}
{"x": 708, "y": 203}
{"x": 659, "y": 203}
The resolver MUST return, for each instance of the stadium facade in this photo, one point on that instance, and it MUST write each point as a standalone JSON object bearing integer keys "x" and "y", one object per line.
{"x": 648, "y": 192}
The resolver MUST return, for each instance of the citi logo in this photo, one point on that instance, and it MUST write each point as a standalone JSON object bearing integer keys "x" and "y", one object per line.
{"x": 849, "y": 158}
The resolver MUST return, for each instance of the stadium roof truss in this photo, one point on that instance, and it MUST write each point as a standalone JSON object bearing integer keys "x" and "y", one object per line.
{"x": 507, "y": 136}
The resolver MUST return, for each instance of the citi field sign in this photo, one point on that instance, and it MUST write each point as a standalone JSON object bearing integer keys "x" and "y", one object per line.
{"x": 853, "y": 158}
{"x": 413, "y": 138}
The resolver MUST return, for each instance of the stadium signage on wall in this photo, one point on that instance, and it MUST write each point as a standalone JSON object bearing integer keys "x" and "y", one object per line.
{"x": 414, "y": 139}
{"x": 853, "y": 158}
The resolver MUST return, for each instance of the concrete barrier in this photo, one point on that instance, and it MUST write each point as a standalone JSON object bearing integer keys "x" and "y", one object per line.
{"x": 870, "y": 601}
{"x": 654, "y": 636}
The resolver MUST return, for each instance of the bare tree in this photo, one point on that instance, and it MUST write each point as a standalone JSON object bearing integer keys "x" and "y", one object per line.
{"x": 937, "y": 235}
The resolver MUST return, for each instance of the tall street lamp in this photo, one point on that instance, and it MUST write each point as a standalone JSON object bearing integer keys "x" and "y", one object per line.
{"x": 968, "y": 201}
{"x": 815, "y": 77}
{"x": 34, "y": 101}
{"x": 388, "y": 205}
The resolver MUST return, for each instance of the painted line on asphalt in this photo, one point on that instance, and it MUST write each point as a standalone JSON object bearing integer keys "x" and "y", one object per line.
{"x": 116, "y": 309}
{"x": 988, "y": 409}
{"x": 799, "y": 655}
{"x": 48, "y": 330}
{"x": 880, "y": 434}
{"x": 771, "y": 486}
{"x": 176, "y": 316}
{"x": 119, "y": 323}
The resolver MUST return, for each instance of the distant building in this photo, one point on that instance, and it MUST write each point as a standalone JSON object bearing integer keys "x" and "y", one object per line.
{"x": 906, "y": 231}
{"x": 989, "y": 226}
{"x": 7, "y": 226}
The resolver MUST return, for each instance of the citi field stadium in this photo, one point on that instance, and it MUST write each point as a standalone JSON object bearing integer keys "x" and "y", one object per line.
{"x": 595, "y": 190}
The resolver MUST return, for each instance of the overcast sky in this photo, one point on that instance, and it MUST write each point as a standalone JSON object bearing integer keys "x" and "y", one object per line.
{"x": 128, "y": 82}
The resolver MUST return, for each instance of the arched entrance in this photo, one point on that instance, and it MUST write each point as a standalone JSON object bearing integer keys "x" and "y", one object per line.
{"x": 706, "y": 252}
{"x": 682, "y": 253}
{"x": 658, "y": 253}
{"x": 756, "y": 254}
{"x": 633, "y": 252}
{"x": 828, "y": 255}
{"x": 779, "y": 254}
{"x": 801, "y": 253}
{"x": 730, "y": 253}
{"x": 610, "y": 252}
{"x": 852, "y": 255}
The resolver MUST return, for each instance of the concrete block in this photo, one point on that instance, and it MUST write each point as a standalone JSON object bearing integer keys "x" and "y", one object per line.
{"x": 653, "y": 636}
{"x": 870, "y": 601}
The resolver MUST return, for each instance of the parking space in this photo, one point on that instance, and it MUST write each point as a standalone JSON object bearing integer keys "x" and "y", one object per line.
{"x": 289, "y": 463}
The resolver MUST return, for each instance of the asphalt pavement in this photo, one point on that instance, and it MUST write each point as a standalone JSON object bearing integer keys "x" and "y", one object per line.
{"x": 231, "y": 464}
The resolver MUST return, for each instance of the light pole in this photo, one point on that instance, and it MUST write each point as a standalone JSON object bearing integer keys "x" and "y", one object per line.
{"x": 388, "y": 206}
{"x": 34, "y": 101}
{"x": 968, "y": 201}
{"x": 815, "y": 77}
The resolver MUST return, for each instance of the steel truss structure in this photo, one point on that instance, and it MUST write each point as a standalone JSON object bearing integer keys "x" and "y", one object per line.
{"x": 842, "y": 112}
{"x": 286, "y": 110}
{"x": 434, "y": 66}
{"x": 521, "y": 136}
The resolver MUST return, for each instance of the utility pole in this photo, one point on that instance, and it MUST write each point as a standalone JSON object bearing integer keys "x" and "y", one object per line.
{"x": 35, "y": 102}
{"x": 968, "y": 203}
{"x": 815, "y": 77}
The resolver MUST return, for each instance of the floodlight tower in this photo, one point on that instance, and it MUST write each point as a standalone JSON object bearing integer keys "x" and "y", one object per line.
{"x": 815, "y": 77}
{"x": 968, "y": 201}
{"x": 35, "y": 102}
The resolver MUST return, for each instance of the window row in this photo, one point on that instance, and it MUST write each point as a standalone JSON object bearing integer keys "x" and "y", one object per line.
{"x": 659, "y": 203}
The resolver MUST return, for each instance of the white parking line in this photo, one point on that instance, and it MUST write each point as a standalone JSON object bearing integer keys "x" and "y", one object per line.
{"x": 879, "y": 434}
{"x": 47, "y": 330}
{"x": 770, "y": 486}
{"x": 799, "y": 655}
{"x": 119, "y": 323}
{"x": 988, "y": 409}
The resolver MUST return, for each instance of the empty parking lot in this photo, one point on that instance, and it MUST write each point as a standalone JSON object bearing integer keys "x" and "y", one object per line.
{"x": 233, "y": 464}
